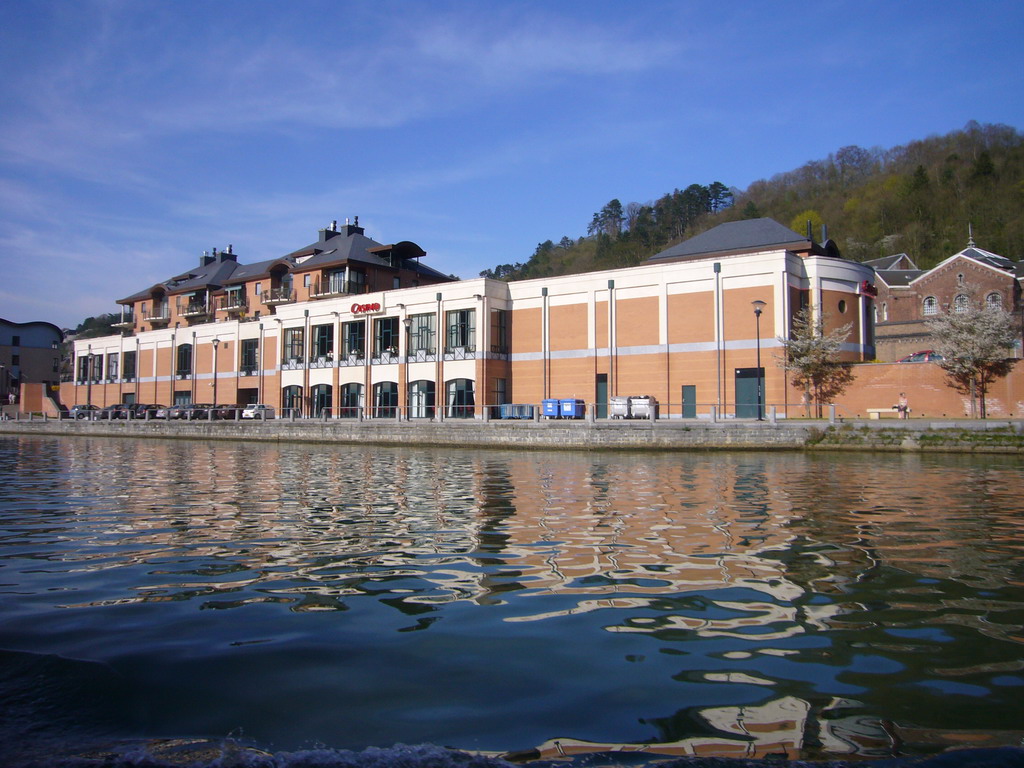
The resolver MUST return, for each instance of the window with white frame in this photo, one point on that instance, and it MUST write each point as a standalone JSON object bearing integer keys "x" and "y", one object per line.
{"x": 931, "y": 305}
{"x": 994, "y": 299}
{"x": 961, "y": 303}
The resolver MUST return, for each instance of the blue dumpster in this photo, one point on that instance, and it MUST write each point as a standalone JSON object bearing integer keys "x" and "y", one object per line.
{"x": 549, "y": 408}
{"x": 572, "y": 408}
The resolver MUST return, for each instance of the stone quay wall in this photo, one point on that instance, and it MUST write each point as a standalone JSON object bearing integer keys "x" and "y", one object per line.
{"x": 960, "y": 436}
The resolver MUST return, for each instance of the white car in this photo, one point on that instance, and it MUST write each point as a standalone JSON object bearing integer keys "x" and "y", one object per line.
{"x": 258, "y": 411}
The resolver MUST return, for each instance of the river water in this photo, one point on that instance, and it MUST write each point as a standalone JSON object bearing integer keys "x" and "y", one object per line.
{"x": 304, "y": 597}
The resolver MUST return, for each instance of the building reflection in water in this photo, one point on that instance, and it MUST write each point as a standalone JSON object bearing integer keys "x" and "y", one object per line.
{"x": 799, "y": 582}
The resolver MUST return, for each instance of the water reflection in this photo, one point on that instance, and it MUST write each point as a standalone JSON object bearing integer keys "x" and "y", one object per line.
{"x": 706, "y": 603}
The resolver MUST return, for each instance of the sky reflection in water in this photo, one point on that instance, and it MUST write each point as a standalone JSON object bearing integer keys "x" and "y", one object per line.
{"x": 728, "y": 603}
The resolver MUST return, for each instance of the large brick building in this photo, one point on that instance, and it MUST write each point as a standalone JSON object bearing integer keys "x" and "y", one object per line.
{"x": 349, "y": 327}
{"x": 908, "y": 296}
{"x": 29, "y": 354}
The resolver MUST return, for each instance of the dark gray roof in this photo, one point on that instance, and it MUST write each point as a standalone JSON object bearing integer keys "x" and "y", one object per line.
{"x": 746, "y": 235}
{"x": 891, "y": 262}
{"x": 206, "y": 277}
{"x": 991, "y": 259}
{"x": 334, "y": 247}
{"x": 897, "y": 277}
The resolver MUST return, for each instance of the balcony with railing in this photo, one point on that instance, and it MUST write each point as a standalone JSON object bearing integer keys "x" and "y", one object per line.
{"x": 234, "y": 303}
{"x": 329, "y": 287}
{"x": 160, "y": 314}
{"x": 386, "y": 356}
{"x": 276, "y": 296}
{"x": 193, "y": 308}
{"x": 126, "y": 323}
{"x": 248, "y": 369}
{"x": 465, "y": 352}
{"x": 293, "y": 363}
{"x": 422, "y": 355}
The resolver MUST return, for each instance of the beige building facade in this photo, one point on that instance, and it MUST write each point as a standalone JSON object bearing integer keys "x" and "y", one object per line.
{"x": 681, "y": 328}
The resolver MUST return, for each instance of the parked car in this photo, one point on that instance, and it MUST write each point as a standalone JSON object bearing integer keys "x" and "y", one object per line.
{"x": 163, "y": 412}
{"x": 142, "y": 409}
{"x": 927, "y": 356}
{"x": 118, "y": 411}
{"x": 197, "y": 411}
{"x": 83, "y": 411}
{"x": 258, "y": 411}
{"x": 179, "y": 411}
{"x": 226, "y": 412}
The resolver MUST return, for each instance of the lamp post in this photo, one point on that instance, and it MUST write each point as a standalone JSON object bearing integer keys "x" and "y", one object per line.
{"x": 88, "y": 376}
{"x": 758, "y": 307}
{"x": 216, "y": 346}
{"x": 407, "y": 322}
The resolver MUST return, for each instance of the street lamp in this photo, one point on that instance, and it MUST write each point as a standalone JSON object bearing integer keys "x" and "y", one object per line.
{"x": 216, "y": 345}
{"x": 758, "y": 307}
{"x": 407, "y": 322}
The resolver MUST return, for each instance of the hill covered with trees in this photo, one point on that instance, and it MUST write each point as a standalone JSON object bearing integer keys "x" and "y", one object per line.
{"x": 917, "y": 199}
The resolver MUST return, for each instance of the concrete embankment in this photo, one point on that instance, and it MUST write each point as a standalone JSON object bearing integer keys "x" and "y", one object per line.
{"x": 964, "y": 436}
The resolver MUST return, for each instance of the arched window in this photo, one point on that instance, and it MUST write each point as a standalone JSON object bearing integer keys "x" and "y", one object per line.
{"x": 994, "y": 299}
{"x": 320, "y": 399}
{"x": 351, "y": 405}
{"x": 460, "y": 399}
{"x": 961, "y": 303}
{"x": 931, "y": 305}
{"x": 421, "y": 399}
{"x": 885, "y": 311}
{"x": 385, "y": 399}
{"x": 291, "y": 400}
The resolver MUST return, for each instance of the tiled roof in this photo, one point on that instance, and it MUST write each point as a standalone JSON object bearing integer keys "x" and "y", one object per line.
{"x": 897, "y": 277}
{"x": 746, "y": 235}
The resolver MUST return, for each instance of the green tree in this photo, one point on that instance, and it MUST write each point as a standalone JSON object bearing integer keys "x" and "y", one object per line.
{"x": 975, "y": 343}
{"x": 812, "y": 356}
{"x": 799, "y": 222}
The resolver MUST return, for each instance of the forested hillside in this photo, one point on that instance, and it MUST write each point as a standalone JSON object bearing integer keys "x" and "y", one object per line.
{"x": 917, "y": 199}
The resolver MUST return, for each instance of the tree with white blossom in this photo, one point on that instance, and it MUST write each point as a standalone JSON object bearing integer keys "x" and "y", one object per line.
{"x": 975, "y": 342}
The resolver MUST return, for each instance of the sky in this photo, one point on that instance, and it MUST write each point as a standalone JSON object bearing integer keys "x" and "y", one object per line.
{"x": 136, "y": 134}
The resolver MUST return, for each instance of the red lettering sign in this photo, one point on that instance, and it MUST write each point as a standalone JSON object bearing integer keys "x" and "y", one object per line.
{"x": 360, "y": 308}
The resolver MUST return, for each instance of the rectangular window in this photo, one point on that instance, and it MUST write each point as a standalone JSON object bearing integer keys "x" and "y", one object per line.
{"x": 293, "y": 342}
{"x": 385, "y": 336}
{"x": 323, "y": 340}
{"x": 499, "y": 331}
{"x": 83, "y": 369}
{"x": 336, "y": 281}
{"x": 500, "y": 393}
{"x": 15, "y": 341}
{"x": 462, "y": 329}
{"x": 184, "y": 360}
{"x": 112, "y": 366}
{"x": 97, "y": 368}
{"x": 129, "y": 365}
{"x": 421, "y": 334}
{"x": 250, "y": 351}
{"x": 258, "y": 288}
{"x": 396, "y": 283}
{"x": 15, "y": 359}
{"x": 356, "y": 282}
{"x": 307, "y": 279}
{"x": 354, "y": 338}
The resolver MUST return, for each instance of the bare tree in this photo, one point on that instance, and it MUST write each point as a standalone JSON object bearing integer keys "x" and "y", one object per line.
{"x": 974, "y": 341}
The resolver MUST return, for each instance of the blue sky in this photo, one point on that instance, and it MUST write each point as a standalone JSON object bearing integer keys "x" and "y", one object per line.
{"x": 136, "y": 134}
